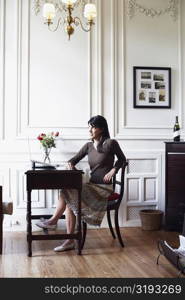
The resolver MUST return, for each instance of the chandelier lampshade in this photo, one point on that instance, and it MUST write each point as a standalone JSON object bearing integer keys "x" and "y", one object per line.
{"x": 90, "y": 11}
{"x": 49, "y": 11}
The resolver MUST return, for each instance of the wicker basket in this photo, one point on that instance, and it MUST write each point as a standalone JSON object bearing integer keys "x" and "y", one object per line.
{"x": 151, "y": 219}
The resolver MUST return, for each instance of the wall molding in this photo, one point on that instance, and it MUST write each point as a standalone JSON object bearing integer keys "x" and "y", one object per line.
{"x": 24, "y": 128}
{"x": 2, "y": 64}
{"x": 114, "y": 97}
{"x": 120, "y": 111}
{"x": 99, "y": 67}
{"x": 180, "y": 59}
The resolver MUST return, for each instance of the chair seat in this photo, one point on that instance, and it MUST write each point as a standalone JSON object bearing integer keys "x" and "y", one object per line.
{"x": 113, "y": 196}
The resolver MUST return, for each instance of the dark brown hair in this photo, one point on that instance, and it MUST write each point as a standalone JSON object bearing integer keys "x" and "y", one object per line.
{"x": 100, "y": 122}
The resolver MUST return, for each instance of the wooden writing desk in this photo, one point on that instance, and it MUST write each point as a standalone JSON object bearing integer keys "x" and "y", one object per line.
{"x": 52, "y": 179}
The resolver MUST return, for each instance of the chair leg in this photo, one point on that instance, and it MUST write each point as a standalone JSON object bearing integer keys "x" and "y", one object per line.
{"x": 117, "y": 228}
{"x": 110, "y": 224}
{"x": 84, "y": 232}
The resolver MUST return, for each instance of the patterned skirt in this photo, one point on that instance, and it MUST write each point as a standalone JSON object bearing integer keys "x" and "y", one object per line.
{"x": 93, "y": 201}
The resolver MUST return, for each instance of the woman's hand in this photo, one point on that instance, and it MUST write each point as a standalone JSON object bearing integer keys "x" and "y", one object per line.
{"x": 107, "y": 178}
{"x": 70, "y": 166}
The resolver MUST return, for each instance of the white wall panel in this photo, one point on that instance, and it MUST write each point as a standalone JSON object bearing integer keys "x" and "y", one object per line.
{"x": 143, "y": 188}
{"x": 55, "y": 86}
{"x": 133, "y": 189}
{"x": 148, "y": 42}
{"x": 150, "y": 189}
{"x": 142, "y": 166}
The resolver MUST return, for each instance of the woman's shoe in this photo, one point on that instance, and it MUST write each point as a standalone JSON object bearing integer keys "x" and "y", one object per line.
{"x": 62, "y": 247}
{"x": 45, "y": 225}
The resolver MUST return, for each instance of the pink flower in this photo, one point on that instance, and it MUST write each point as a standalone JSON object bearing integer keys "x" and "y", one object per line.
{"x": 57, "y": 133}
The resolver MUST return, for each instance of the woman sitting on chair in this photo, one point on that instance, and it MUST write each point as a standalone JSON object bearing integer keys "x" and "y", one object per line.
{"x": 101, "y": 151}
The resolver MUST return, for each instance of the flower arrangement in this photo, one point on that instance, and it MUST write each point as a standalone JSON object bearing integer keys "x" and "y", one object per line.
{"x": 48, "y": 141}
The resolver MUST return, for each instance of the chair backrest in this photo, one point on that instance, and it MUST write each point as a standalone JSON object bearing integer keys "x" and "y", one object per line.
{"x": 121, "y": 183}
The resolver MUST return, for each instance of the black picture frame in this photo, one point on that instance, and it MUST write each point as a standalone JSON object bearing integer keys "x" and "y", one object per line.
{"x": 151, "y": 87}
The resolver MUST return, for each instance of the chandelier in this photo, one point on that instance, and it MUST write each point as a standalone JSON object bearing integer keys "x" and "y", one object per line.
{"x": 63, "y": 10}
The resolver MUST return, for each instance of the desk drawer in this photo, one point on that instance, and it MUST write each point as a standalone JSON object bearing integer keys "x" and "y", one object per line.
{"x": 55, "y": 181}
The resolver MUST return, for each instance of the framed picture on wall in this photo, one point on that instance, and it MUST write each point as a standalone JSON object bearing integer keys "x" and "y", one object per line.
{"x": 152, "y": 87}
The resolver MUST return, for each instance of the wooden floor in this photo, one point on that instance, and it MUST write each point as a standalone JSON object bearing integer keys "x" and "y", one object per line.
{"x": 102, "y": 256}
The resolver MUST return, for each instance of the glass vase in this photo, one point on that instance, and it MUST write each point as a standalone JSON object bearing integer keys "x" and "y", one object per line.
{"x": 46, "y": 155}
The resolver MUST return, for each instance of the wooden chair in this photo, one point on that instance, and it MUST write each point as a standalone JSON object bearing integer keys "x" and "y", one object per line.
{"x": 1, "y": 221}
{"x": 114, "y": 202}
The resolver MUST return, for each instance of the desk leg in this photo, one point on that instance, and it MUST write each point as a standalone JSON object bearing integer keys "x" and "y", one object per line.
{"x": 1, "y": 221}
{"x": 1, "y": 233}
{"x": 79, "y": 226}
{"x": 29, "y": 227}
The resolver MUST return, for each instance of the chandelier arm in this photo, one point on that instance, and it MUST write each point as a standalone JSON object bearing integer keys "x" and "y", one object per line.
{"x": 82, "y": 26}
{"x": 56, "y": 27}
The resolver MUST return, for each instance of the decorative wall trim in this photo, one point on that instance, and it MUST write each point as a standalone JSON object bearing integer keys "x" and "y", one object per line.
{"x": 180, "y": 82}
{"x": 24, "y": 127}
{"x": 2, "y": 64}
{"x": 120, "y": 109}
{"x": 114, "y": 61}
{"x": 117, "y": 42}
{"x": 134, "y": 7}
{"x": 180, "y": 60}
{"x": 99, "y": 90}
{"x": 146, "y": 137}
{"x": 19, "y": 65}
{"x": 120, "y": 112}
{"x": 180, "y": 113}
